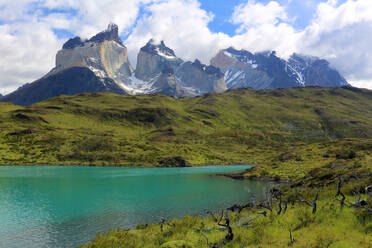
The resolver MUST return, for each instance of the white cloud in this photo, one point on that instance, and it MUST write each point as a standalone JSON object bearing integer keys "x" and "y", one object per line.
{"x": 342, "y": 34}
{"x": 183, "y": 25}
{"x": 252, "y": 14}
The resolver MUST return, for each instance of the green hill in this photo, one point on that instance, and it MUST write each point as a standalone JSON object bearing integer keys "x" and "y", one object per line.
{"x": 239, "y": 126}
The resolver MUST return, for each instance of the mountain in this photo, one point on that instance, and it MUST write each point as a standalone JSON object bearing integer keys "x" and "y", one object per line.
{"x": 69, "y": 81}
{"x": 100, "y": 64}
{"x": 265, "y": 70}
{"x": 193, "y": 78}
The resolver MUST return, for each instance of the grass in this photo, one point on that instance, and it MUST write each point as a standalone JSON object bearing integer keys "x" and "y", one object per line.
{"x": 237, "y": 127}
{"x": 330, "y": 226}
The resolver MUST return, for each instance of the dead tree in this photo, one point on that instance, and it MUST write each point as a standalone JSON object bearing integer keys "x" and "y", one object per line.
{"x": 313, "y": 204}
{"x": 342, "y": 201}
{"x": 280, "y": 204}
{"x": 291, "y": 239}
{"x": 239, "y": 208}
{"x": 339, "y": 186}
{"x": 230, "y": 235}
{"x": 339, "y": 193}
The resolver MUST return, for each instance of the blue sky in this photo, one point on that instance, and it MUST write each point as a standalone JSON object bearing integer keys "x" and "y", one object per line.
{"x": 301, "y": 12}
{"x": 32, "y": 31}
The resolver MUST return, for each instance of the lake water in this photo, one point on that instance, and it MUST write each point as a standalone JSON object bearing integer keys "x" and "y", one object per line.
{"x": 67, "y": 206}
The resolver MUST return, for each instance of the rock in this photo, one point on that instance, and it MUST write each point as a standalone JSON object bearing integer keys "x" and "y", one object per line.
{"x": 110, "y": 34}
{"x": 153, "y": 59}
{"x": 174, "y": 162}
{"x": 72, "y": 43}
{"x": 200, "y": 77}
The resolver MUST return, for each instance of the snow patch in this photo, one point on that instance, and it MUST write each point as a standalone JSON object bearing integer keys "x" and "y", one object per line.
{"x": 167, "y": 56}
{"x": 99, "y": 73}
{"x": 137, "y": 86}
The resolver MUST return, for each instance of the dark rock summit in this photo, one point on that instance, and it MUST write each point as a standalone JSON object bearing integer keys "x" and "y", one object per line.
{"x": 153, "y": 48}
{"x": 72, "y": 43}
{"x": 110, "y": 34}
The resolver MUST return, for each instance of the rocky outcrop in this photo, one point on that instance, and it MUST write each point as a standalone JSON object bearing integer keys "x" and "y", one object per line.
{"x": 174, "y": 162}
{"x": 104, "y": 54}
{"x": 153, "y": 58}
{"x": 201, "y": 78}
{"x": 168, "y": 84}
{"x": 265, "y": 70}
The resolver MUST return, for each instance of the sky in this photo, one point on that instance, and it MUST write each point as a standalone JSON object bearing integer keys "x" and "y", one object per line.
{"x": 32, "y": 31}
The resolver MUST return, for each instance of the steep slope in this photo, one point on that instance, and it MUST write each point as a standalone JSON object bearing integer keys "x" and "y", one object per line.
{"x": 200, "y": 78}
{"x": 311, "y": 71}
{"x": 193, "y": 78}
{"x": 238, "y": 126}
{"x": 70, "y": 81}
{"x": 104, "y": 54}
{"x": 265, "y": 70}
{"x": 153, "y": 58}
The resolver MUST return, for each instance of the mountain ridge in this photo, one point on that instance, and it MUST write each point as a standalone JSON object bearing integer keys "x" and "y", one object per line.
{"x": 159, "y": 70}
{"x": 265, "y": 70}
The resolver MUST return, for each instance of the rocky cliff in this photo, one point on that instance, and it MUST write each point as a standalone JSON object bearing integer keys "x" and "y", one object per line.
{"x": 201, "y": 78}
{"x": 192, "y": 77}
{"x": 104, "y": 54}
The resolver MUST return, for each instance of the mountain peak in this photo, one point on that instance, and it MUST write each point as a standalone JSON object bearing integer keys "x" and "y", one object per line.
{"x": 72, "y": 43}
{"x": 160, "y": 49}
{"x": 111, "y": 33}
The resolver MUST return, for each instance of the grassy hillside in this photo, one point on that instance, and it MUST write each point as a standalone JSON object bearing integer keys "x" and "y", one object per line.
{"x": 239, "y": 126}
{"x": 307, "y": 136}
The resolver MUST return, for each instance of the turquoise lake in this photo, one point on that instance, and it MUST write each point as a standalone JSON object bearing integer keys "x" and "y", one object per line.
{"x": 67, "y": 206}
